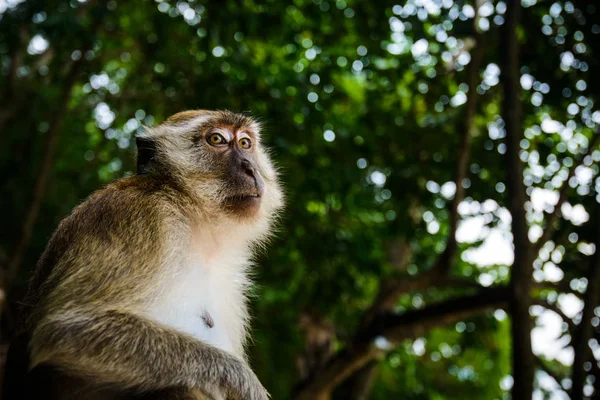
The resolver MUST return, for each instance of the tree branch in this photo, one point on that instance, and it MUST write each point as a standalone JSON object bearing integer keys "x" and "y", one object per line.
{"x": 9, "y": 105}
{"x": 394, "y": 328}
{"x": 48, "y": 158}
{"x": 464, "y": 155}
{"x": 439, "y": 274}
{"x": 390, "y": 291}
{"x": 397, "y": 327}
{"x": 44, "y": 171}
{"x": 555, "y": 214}
{"x": 561, "y": 287}
{"x": 585, "y": 331}
{"x": 16, "y": 60}
{"x": 361, "y": 383}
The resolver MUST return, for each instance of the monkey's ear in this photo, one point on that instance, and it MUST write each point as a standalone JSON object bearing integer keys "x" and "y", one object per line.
{"x": 146, "y": 153}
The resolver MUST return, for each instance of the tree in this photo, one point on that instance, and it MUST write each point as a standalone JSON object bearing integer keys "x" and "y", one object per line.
{"x": 415, "y": 140}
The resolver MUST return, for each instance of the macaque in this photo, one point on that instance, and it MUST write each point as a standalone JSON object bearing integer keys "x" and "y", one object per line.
{"x": 141, "y": 292}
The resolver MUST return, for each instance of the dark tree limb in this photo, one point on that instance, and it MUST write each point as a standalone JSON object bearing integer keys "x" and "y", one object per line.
{"x": 393, "y": 328}
{"x": 43, "y": 176}
{"x": 464, "y": 155}
{"x": 16, "y": 60}
{"x": 45, "y": 166}
{"x": 397, "y": 327}
{"x": 523, "y": 360}
{"x": 59, "y": 114}
{"x": 585, "y": 331}
{"x": 9, "y": 105}
{"x": 360, "y": 383}
{"x": 560, "y": 287}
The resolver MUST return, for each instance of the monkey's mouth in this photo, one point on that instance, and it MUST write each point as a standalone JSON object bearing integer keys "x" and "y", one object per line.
{"x": 242, "y": 197}
{"x": 243, "y": 205}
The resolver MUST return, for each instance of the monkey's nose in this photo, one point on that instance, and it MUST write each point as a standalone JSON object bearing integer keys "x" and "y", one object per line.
{"x": 248, "y": 167}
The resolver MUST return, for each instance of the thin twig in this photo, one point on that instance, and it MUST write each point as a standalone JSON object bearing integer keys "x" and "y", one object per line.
{"x": 546, "y": 368}
{"x": 556, "y": 309}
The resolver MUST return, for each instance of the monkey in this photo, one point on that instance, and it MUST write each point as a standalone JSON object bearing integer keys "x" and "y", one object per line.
{"x": 141, "y": 292}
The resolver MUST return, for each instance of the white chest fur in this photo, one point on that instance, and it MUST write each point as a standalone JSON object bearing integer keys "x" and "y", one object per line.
{"x": 205, "y": 297}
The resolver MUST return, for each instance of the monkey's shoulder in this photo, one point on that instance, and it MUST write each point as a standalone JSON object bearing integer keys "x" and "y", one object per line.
{"x": 125, "y": 217}
{"x": 123, "y": 204}
{"x": 113, "y": 231}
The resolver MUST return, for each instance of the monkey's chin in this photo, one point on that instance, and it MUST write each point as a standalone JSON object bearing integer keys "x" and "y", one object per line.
{"x": 243, "y": 206}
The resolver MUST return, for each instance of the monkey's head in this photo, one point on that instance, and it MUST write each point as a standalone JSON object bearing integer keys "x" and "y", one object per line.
{"x": 218, "y": 157}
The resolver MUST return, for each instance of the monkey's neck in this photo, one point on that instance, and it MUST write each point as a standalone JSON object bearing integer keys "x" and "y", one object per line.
{"x": 211, "y": 240}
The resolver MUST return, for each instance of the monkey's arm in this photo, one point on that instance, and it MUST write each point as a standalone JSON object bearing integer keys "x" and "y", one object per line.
{"x": 126, "y": 351}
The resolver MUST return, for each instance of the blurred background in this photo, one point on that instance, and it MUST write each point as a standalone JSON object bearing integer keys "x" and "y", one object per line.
{"x": 440, "y": 160}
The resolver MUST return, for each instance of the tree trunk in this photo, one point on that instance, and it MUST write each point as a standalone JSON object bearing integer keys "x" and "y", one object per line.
{"x": 523, "y": 361}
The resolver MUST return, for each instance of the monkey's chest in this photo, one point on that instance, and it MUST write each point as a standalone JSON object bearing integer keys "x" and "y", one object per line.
{"x": 203, "y": 303}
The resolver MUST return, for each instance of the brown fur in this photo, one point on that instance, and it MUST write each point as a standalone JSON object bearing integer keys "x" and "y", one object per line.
{"x": 86, "y": 334}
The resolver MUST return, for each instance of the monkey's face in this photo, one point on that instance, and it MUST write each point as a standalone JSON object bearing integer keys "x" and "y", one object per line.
{"x": 229, "y": 153}
{"x": 219, "y": 155}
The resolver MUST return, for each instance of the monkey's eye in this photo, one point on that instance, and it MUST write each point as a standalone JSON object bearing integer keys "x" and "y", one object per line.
{"x": 245, "y": 143}
{"x": 216, "y": 139}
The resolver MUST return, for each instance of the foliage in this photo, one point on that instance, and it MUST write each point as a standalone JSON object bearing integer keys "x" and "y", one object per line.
{"x": 364, "y": 106}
